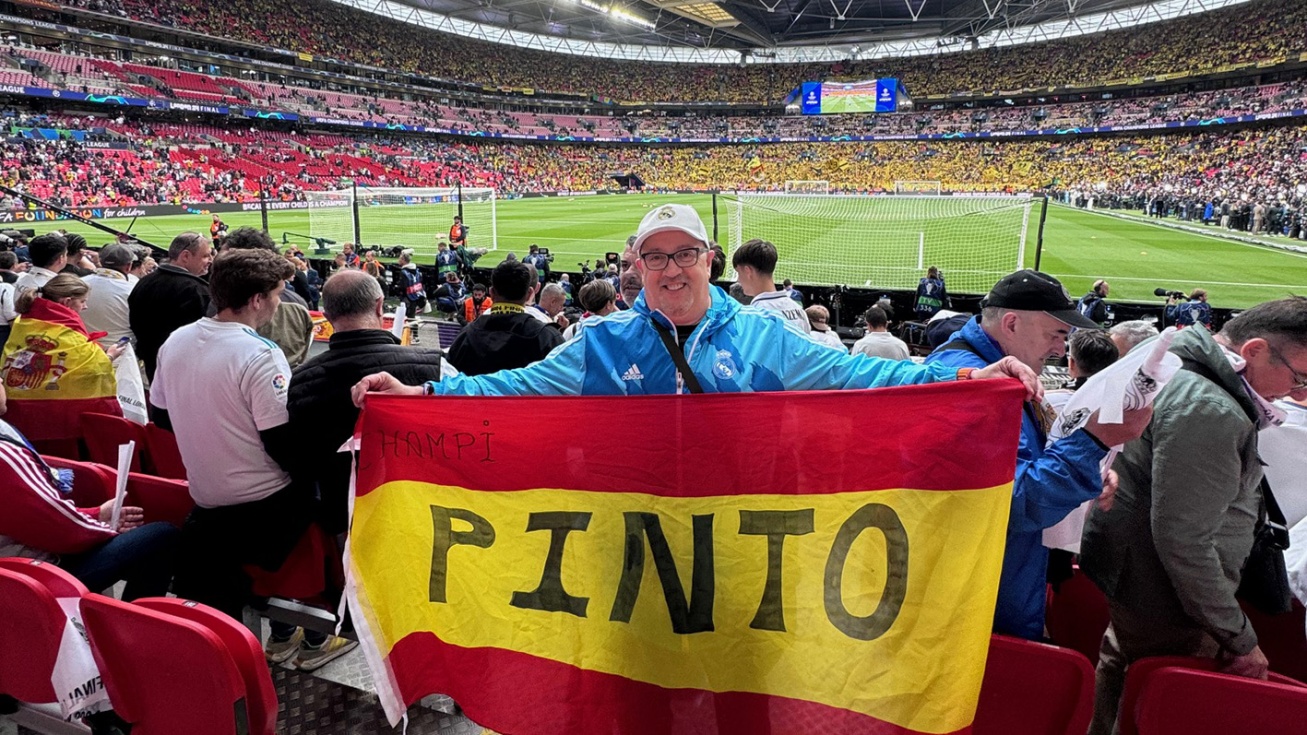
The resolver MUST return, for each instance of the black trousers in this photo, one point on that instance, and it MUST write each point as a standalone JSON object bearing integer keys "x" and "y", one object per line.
{"x": 217, "y": 543}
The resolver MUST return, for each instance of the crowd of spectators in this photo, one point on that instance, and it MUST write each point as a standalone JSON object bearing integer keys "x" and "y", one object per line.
{"x": 247, "y": 445}
{"x": 254, "y": 422}
{"x": 173, "y": 163}
{"x": 304, "y": 97}
{"x": 1263, "y": 30}
{"x": 1248, "y": 182}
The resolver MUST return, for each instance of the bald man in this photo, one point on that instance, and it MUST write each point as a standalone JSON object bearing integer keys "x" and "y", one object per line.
{"x": 321, "y": 413}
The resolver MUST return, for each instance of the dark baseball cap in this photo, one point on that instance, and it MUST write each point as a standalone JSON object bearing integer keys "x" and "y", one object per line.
{"x": 116, "y": 255}
{"x": 1030, "y": 290}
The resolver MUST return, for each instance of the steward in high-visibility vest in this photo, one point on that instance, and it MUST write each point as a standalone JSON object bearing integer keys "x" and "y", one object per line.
{"x": 476, "y": 304}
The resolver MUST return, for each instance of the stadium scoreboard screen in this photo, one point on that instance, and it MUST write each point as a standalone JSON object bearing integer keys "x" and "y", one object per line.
{"x": 826, "y": 98}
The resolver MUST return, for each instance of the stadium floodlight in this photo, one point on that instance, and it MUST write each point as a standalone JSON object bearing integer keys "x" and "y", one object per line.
{"x": 408, "y": 217}
{"x": 885, "y": 241}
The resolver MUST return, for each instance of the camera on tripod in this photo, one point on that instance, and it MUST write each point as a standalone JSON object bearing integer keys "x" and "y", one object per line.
{"x": 1178, "y": 295}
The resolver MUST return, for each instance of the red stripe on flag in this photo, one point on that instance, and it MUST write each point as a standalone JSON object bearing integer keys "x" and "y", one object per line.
{"x": 519, "y": 694}
{"x": 674, "y": 445}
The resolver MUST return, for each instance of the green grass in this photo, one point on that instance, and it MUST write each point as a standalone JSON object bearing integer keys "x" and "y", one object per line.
{"x": 1079, "y": 246}
{"x": 1136, "y": 257}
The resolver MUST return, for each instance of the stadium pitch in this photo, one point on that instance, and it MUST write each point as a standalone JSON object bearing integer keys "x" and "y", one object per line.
{"x": 1079, "y": 246}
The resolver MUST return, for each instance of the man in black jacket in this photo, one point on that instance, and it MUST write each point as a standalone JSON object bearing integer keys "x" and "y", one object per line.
{"x": 1093, "y": 305}
{"x": 174, "y": 295}
{"x": 507, "y": 337}
{"x": 322, "y": 416}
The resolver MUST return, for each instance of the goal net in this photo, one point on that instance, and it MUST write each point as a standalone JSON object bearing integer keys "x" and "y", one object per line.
{"x": 807, "y": 187}
{"x": 917, "y": 187}
{"x": 410, "y": 217}
{"x": 885, "y": 241}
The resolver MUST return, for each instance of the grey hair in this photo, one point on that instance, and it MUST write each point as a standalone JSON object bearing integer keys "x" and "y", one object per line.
{"x": 552, "y": 289}
{"x": 346, "y": 295}
{"x": 185, "y": 242}
{"x": 1133, "y": 333}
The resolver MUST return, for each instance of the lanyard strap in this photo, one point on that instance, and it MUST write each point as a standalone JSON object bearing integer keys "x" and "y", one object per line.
{"x": 678, "y": 357}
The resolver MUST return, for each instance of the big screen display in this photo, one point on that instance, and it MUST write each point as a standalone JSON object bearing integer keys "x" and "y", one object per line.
{"x": 829, "y": 98}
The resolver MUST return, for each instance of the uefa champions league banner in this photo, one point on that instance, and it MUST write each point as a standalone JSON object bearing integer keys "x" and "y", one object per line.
{"x": 717, "y": 563}
{"x": 20, "y": 216}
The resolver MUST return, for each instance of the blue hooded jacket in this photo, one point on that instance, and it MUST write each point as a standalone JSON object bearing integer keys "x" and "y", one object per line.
{"x": 733, "y": 349}
{"x": 1050, "y": 482}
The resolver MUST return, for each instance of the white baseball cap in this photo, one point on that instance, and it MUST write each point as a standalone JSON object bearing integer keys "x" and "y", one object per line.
{"x": 669, "y": 217}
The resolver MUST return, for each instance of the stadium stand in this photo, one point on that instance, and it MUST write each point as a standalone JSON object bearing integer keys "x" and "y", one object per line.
{"x": 174, "y": 163}
{"x": 217, "y": 673}
{"x": 1273, "y": 29}
{"x": 1164, "y": 108}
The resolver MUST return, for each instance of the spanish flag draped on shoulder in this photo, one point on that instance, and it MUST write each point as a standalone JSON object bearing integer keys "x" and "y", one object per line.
{"x": 54, "y": 372}
{"x": 716, "y": 563}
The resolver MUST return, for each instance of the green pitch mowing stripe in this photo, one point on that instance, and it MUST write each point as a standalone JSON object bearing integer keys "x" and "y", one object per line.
{"x": 1079, "y": 246}
{"x": 1137, "y": 257}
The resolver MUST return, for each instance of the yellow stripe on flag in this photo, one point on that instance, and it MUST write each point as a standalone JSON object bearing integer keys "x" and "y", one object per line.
{"x": 845, "y": 599}
{"x": 46, "y": 361}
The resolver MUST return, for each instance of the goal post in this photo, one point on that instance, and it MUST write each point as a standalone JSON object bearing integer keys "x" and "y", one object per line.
{"x": 918, "y": 187}
{"x": 798, "y": 186}
{"x": 409, "y": 217}
{"x": 885, "y": 241}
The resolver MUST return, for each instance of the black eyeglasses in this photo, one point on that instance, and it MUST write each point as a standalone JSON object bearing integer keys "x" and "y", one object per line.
{"x": 684, "y": 258}
{"x": 1299, "y": 380}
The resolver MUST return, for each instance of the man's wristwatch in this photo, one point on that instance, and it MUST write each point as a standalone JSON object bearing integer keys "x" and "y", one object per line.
{"x": 965, "y": 373}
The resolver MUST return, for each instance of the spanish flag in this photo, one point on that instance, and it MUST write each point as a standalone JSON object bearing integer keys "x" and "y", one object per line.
{"x": 725, "y": 563}
{"x": 54, "y": 372}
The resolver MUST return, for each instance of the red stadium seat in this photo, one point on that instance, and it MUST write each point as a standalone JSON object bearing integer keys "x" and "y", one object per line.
{"x": 163, "y": 452}
{"x": 1035, "y": 689}
{"x": 161, "y": 499}
{"x": 104, "y": 433}
{"x": 1184, "y": 701}
{"x": 67, "y": 448}
{"x": 93, "y": 484}
{"x": 1283, "y": 638}
{"x": 312, "y": 569}
{"x": 244, "y": 649}
{"x": 1141, "y": 671}
{"x": 55, "y": 579}
{"x": 1078, "y": 617}
{"x": 33, "y": 626}
{"x": 165, "y": 675}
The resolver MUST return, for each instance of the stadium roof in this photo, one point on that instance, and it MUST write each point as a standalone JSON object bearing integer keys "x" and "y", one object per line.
{"x": 717, "y": 31}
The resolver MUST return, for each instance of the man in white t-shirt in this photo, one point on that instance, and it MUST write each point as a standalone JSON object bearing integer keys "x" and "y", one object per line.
{"x": 106, "y": 305}
{"x": 755, "y": 268}
{"x": 819, "y": 318}
{"x": 222, "y": 389}
{"x": 878, "y": 342}
{"x": 49, "y": 254}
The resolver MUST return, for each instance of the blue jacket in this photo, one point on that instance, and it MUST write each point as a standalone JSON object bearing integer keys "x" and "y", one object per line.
{"x": 1050, "y": 483}
{"x": 1189, "y": 313}
{"x": 931, "y": 297}
{"x": 733, "y": 349}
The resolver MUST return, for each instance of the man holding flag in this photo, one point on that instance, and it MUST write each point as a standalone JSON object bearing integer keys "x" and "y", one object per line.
{"x": 683, "y": 335}
{"x": 1028, "y": 316}
{"x": 761, "y": 639}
